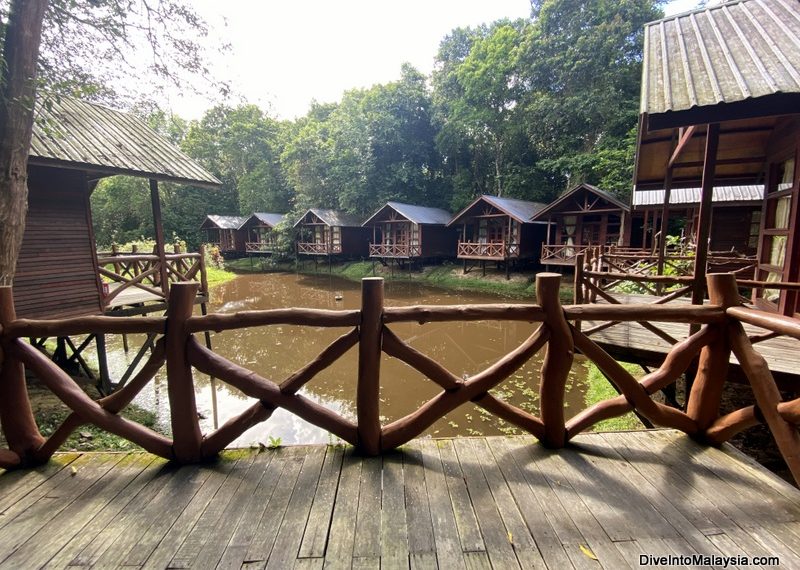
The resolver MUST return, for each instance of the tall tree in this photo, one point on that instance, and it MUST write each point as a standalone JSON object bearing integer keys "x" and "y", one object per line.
{"x": 21, "y": 40}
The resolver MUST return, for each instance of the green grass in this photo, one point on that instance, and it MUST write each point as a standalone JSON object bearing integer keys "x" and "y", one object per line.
{"x": 600, "y": 389}
{"x": 218, "y": 276}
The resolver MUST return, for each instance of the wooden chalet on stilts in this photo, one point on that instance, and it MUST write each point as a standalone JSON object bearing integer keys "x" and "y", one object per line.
{"x": 328, "y": 233}
{"x": 581, "y": 217}
{"x": 735, "y": 217}
{"x": 721, "y": 107}
{"x": 499, "y": 230}
{"x": 225, "y": 233}
{"x": 260, "y": 235}
{"x": 408, "y": 232}
{"x": 59, "y": 272}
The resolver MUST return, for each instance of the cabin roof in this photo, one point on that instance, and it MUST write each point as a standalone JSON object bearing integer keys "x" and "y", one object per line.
{"x": 266, "y": 218}
{"x": 555, "y": 205}
{"x": 70, "y": 133}
{"x": 723, "y": 62}
{"x": 332, "y": 218}
{"x": 415, "y": 214}
{"x": 688, "y": 196}
{"x": 520, "y": 210}
{"x": 223, "y": 222}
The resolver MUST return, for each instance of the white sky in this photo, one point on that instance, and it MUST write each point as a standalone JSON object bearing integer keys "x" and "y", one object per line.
{"x": 286, "y": 53}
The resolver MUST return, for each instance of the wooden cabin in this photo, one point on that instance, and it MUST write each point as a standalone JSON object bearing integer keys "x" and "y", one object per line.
{"x": 721, "y": 107}
{"x": 331, "y": 232}
{"x": 225, "y": 232}
{"x": 75, "y": 144}
{"x": 581, "y": 217}
{"x": 406, "y": 231}
{"x": 259, "y": 232}
{"x": 499, "y": 230}
{"x": 735, "y": 217}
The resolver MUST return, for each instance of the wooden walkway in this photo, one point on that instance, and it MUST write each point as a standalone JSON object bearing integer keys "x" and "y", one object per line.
{"x": 631, "y": 342}
{"x": 454, "y": 503}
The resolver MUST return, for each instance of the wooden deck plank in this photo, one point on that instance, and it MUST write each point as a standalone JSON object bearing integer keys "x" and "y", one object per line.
{"x": 467, "y": 523}
{"x": 533, "y": 507}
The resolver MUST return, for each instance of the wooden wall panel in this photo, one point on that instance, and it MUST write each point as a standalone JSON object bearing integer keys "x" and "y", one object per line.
{"x": 56, "y": 269}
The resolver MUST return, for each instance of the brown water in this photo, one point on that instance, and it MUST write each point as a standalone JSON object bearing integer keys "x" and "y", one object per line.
{"x": 275, "y": 352}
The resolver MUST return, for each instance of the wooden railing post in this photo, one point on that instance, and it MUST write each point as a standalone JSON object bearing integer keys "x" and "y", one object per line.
{"x": 180, "y": 384}
{"x": 712, "y": 367}
{"x": 577, "y": 293}
{"x": 203, "y": 274}
{"x": 369, "y": 366}
{"x": 557, "y": 360}
{"x": 16, "y": 416}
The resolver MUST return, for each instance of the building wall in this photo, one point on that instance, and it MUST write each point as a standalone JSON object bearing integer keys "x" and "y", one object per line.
{"x": 438, "y": 241}
{"x": 57, "y": 267}
{"x": 355, "y": 241}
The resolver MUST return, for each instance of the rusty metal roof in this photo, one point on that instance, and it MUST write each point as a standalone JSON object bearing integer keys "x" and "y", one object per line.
{"x": 70, "y": 133}
{"x": 688, "y": 196}
{"x": 724, "y": 54}
{"x": 415, "y": 214}
{"x": 223, "y": 222}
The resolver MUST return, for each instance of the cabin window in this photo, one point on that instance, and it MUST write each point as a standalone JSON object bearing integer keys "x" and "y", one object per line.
{"x": 568, "y": 233}
{"x": 755, "y": 230}
{"x": 414, "y": 234}
{"x": 775, "y": 237}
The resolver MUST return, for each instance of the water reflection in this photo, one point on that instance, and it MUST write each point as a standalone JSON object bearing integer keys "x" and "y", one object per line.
{"x": 275, "y": 352}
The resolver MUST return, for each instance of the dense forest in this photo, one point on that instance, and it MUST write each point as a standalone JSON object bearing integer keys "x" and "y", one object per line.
{"x": 522, "y": 109}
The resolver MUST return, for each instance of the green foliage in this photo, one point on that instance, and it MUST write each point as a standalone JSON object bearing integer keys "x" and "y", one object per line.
{"x": 600, "y": 389}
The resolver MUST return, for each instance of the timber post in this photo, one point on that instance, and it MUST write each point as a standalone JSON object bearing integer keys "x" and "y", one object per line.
{"x": 712, "y": 368}
{"x": 369, "y": 366}
{"x": 557, "y": 360}
{"x": 16, "y": 415}
{"x": 186, "y": 434}
{"x": 203, "y": 274}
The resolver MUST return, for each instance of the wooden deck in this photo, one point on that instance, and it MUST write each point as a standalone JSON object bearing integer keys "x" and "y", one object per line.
{"x": 456, "y": 503}
{"x": 631, "y": 342}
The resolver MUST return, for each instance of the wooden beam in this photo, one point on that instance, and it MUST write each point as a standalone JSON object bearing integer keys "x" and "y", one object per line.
{"x": 681, "y": 146}
{"x": 704, "y": 220}
{"x": 158, "y": 225}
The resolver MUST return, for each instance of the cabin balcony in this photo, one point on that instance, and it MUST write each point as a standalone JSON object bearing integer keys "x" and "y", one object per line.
{"x": 561, "y": 254}
{"x": 394, "y": 250}
{"x": 388, "y": 499}
{"x": 260, "y": 247}
{"x": 497, "y": 251}
{"x": 318, "y": 248}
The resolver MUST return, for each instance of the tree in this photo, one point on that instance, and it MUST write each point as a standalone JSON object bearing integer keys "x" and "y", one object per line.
{"x": 21, "y": 40}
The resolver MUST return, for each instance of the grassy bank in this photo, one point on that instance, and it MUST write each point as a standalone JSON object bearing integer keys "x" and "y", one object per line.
{"x": 599, "y": 389}
{"x": 446, "y": 275}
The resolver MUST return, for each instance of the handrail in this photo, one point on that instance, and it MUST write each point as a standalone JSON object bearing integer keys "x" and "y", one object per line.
{"x": 394, "y": 250}
{"x": 553, "y": 326}
{"x": 488, "y": 250}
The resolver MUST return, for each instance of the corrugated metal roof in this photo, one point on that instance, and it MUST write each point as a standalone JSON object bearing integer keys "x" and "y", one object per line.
{"x": 520, "y": 210}
{"x": 333, "y": 218}
{"x": 594, "y": 189}
{"x": 416, "y": 214}
{"x": 721, "y": 54}
{"x": 224, "y": 222}
{"x": 267, "y": 218}
{"x": 749, "y": 193}
{"x": 73, "y": 133}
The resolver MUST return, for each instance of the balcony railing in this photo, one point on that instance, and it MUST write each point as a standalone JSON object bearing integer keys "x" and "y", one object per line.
{"x": 393, "y": 250}
{"x": 561, "y": 253}
{"x": 491, "y": 250}
{"x": 316, "y": 248}
{"x": 259, "y": 247}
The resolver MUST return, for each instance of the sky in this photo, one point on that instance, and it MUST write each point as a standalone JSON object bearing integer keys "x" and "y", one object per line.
{"x": 285, "y": 54}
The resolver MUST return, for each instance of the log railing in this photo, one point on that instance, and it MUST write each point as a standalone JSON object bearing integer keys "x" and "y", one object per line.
{"x": 393, "y": 250}
{"x": 491, "y": 250}
{"x": 148, "y": 273}
{"x": 552, "y": 329}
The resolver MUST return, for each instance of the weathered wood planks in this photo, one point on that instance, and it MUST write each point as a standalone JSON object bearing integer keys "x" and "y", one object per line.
{"x": 497, "y": 502}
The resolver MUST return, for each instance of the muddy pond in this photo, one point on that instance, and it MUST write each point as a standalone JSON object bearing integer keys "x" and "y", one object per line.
{"x": 274, "y": 352}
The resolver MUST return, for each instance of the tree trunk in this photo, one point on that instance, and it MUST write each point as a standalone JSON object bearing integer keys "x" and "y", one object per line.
{"x": 17, "y": 95}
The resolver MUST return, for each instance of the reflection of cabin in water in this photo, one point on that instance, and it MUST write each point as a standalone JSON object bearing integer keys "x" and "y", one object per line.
{"x": 259, "y": 232}
{"x": 405, "y": 231}
{"x": 581, "y": 217}
{"x": 735, "y": 216}
{"x": 722, "y": 112}
{"x": 331, "y": 232}
{"x": 225, "y": 232}
{"x": 59, "y": 272}
{"x": 499, "y": 229}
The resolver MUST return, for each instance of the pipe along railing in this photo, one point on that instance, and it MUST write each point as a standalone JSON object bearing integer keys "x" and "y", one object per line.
{"x": 553, "y": 330}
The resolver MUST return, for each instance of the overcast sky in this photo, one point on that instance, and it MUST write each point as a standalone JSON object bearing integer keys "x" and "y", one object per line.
{"x": 284, "y": 54}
